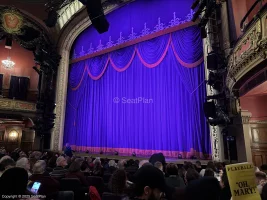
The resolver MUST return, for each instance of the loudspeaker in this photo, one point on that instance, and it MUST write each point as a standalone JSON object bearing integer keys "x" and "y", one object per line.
{"x": 210, "y": 109}
{"x": 51, "y": 20}
{"x": 96, "y": 15}
{"x": 9, "y": 42}
{"x": 212, "y": 61}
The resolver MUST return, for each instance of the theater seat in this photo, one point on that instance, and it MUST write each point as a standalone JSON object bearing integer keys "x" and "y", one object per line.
{"x": 97, "y": 182}
{"x": 110, "y": 196}
{"x": 74, "y": 185}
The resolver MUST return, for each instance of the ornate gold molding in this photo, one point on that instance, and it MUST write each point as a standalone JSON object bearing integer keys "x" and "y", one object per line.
{"x": 245, "y": 116}
{"x": 8, "y": 104}
{"x": 250, "y": 50}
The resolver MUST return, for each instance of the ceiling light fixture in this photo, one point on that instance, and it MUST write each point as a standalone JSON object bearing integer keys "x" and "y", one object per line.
{"x": 8, "y": 63}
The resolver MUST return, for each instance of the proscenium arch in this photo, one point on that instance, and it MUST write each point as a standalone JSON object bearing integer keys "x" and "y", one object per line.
{"x": 66, "y": 39}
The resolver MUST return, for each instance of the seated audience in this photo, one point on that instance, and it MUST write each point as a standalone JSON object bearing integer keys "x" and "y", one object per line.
{"x": 191, "y": 175}
{"x": 6, "y": 162}
{"x": 85, "y": 168}
{"x": 209, "y": 172}
{"x": 122, "y": 164}
{"x": 210, "y": 165}
{"x": 49, "y": 186}
{"x": 25, "y": 164}
{"x": 68, "y": 151}
{"x": 207, "y": 188}
{"x": 198, "y": 166}
{"x": 51, "y": 164}
{"x": 98, "y": 169}
{"x": 111, "y": 167}
{"x": 75, "y": 172}
{"x": 188, "y": 165}
{"x": 159, "y": 166}
{"x": 142, "y": 162}
{"x": 59, "y": 171}
{"x": 149, "y": 183}
{"x": 225, "y": 192}
{"x": 117, "y": 183}
{"x": 14, "y": 182}
{"x": 260, "y": 180}
{"x": 174, "y": 180}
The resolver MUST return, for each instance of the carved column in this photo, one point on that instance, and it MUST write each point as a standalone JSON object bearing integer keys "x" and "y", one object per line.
{"x": 245, "y": 116}
{"x": 57, "y": 135}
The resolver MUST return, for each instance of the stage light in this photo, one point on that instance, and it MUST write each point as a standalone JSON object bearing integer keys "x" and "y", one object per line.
{"x": 116, "y": 153}
{"x": 180, "y": 156}
{"x": 134, "y": 154}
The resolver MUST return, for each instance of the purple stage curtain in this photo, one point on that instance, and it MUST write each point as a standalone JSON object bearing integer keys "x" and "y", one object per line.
{"x": 146, "y": 98}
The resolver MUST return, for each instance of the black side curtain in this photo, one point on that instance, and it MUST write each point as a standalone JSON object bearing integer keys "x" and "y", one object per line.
{"x": 1, "y": 84}
{"x": 18, "y": 88}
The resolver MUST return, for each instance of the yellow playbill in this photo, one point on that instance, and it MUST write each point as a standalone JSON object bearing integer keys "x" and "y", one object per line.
{"x": 242, "y": 181}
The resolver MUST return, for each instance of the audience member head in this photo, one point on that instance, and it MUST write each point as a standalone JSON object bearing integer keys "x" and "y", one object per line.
{"x": 117, "y": 183}
{"x": 97, "y": 161}
{"x": 39, "y": 167}
{"x": 52, "y": 162}
{"x": 211, "y": 165}
{"x": 75, "y": 166}
{"x": 112, "y": 163}
{"x": 14, "y": 181}
{"x": 149, "y": 183}
{"x": 188, "y": 165}
{"x": 191, "y": 175}
{"x": 142, "y": 162}
{"x": 207, "y": 188}
{"x": 209, "y": 172}
{"x": 79, "y": 160}
{"x": 198, "y": 164}
{"x": 130, "y": 162}
{"x": 24, "y": 163}
{"x": 61, "y": 162}
{"x": 6, "y": 162}
{"x": 159, "y": 165}
{"x": 260, "y": 177}
{"x": 172, "y": 169}
{"x": 84, "y": 166}
{"x": 121, "y": 164}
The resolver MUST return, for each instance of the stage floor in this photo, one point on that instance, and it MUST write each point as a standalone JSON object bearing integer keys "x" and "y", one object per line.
{"x": 120, "y": 157}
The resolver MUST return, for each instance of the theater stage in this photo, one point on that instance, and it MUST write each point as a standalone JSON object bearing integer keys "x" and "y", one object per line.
{"x": 120, "y": 157}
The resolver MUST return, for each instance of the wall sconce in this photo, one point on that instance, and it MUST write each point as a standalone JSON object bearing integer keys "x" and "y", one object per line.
{"x": 13, "y": 135}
